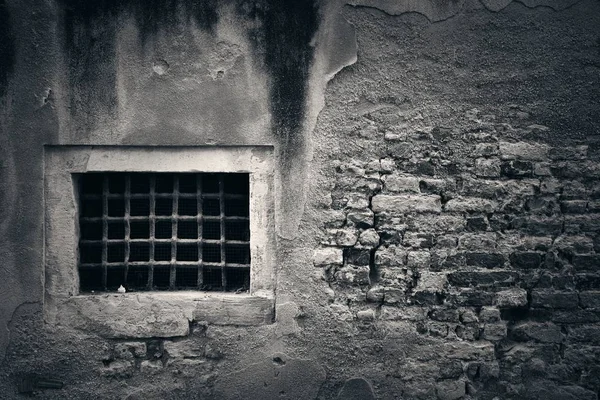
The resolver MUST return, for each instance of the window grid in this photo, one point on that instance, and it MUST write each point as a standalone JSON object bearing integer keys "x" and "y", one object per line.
{"x": 136, "y": 255}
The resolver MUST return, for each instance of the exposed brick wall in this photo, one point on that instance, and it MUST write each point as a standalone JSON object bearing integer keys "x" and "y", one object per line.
{"x": 495, "y": 244}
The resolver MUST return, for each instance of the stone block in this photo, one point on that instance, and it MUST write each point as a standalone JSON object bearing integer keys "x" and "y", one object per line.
{"x": 546, "y": 332}
{"x": 525, "y": 260}
{"x": 487, "y": 167}
{"x": 485, "y": 149}
{"x": 361, "y": 218}
{"x": 482, "y": 278}
{"x": 450, "y": 389}
{"x": 390, "y": 256}
{"x": 183, "y": 348}
{"x": 130, "y": 350}
{"x": 418, "y": 259}
{"x": 328, "y": 256}
{"x": 586, "y": 262}
{"x": 511, "y": 298}
{"x": 471, "y": 204}
{"x": 396, "y": 183}
{"x": 554, "y": 299}
{"x": 489, "y": 314}
{"x": 568, "y": 153}
{"x": 590, "y": 299}
{"x": 494, "y": 332}
{"x": 523, "y": 151}
{"x": 516, "y": 169}
{"x": 369, "y": 238}
{"x": 485, "y": 260}
{"x": 353, "y": 275}
{"x": 431, "y": 282}
{"x": 573, "y": 206}
{"x": 589, "y": 334}
{"x": 402, "y": 204}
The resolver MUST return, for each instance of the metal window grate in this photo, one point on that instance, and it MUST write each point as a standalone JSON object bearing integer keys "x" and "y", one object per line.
{"x": 164, "y": 231}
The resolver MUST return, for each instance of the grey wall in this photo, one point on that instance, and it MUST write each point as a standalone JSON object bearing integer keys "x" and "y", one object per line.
{"x": 437, "y": 189}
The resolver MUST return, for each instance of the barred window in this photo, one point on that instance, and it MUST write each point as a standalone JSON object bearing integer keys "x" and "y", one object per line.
{"x": 164, "y": 231}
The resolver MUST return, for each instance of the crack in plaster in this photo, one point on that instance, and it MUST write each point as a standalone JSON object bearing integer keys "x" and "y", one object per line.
{"x": 442, "y": 10}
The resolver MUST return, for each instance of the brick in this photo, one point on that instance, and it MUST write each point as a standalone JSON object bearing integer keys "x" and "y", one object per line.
{"x": 365, "y": 315}
{"x": 586, "y": 262}
{"x": 525, "y": 260}
{"x": 573, "y": 206}
{"x": 574, "y": 244}
{"x": 345, "y": 237}
{"x": 375, "y": 294}
{"x": 444, "y": 315}
{"x": 516, "y": 169}
{"x": 575, "y": 224}
{"x": 553, "y": 299}
{"x": 523, "y": 151}
{"x": 439, "y": 224}
{"x": 431, "y": 282}
{"x": 588, "y": 334}
{"x": 541, "y": 226}
{"x": 540, "y": 332}
{"x": 437, "y": 186}
{"x": 494, "y": 332}
{"x": 471, "y": 204}
{"x": 130, "y": 350}
{"x": 361, "y": 218}
{"x": 482, "y": 278}
{"x": 542, "y": 169}
{"x": 450, "y": 389}
{"x": 183, "y": 349}
{"x": 576, "y": 316}
{"x": 369, "y": 238}
{"x": 418, "y": 240}
{"x": 489, "y": 314}
{"x": 568, "y": 153}
{"x": 390, "y": 256}
{"x": 395, "y": 183}
{"x": 478, "y": 241}
{"x": 590, "y": 299}
{"x": 451, "y": 370}
{"x": 477, "y": 223}
{"x": 511, "y": 298}
{"x": 485, "y": 260}
{"x": 487, "y": 167}
{"x": 401, "y": 204}
{"x": 353, "y": 275}
{"x": 485, "y": 149}
{"x": 418, "y": 259}
{"x": 328, "y": 256}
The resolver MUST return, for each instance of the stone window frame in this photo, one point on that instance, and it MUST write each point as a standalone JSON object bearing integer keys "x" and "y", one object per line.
{"x": 153, "y": 314}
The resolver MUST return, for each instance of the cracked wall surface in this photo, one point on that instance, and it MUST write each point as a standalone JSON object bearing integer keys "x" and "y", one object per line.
{"x": 437, "y": 192}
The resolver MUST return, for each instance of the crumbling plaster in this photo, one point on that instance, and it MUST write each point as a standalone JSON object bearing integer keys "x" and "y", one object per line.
{"x": 51, "y": 98}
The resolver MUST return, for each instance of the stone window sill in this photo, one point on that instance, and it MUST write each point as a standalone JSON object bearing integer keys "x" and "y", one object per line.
{"x": 152, "y": 314}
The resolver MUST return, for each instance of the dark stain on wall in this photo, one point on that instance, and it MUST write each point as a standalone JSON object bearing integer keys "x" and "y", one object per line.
{"x": 7, "y": 48}
{"x": 149, "y": 14}
{"x": 284, "y": 38}
{"x": 90, "y": 37}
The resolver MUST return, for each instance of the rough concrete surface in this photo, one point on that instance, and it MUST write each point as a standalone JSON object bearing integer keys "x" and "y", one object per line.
{"x": 436, "y": 194}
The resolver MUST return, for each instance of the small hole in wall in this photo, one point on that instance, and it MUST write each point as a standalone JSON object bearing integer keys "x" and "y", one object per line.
{"x": 220, "y": 74}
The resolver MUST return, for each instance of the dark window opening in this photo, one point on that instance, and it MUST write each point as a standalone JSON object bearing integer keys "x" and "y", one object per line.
{"x": 164, "y": 231}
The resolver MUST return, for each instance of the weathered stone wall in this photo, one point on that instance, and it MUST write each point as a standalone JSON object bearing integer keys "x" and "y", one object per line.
{"x": 438, "y": 200}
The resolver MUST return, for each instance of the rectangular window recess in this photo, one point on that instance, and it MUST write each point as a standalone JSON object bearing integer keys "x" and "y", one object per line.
{"x": 164, "y": 231}
{"x": 188, "y": 231}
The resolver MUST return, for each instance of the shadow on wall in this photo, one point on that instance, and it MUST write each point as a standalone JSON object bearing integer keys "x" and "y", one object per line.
{"x": 7, "y": 48}
{"x": 280, "y": 33}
